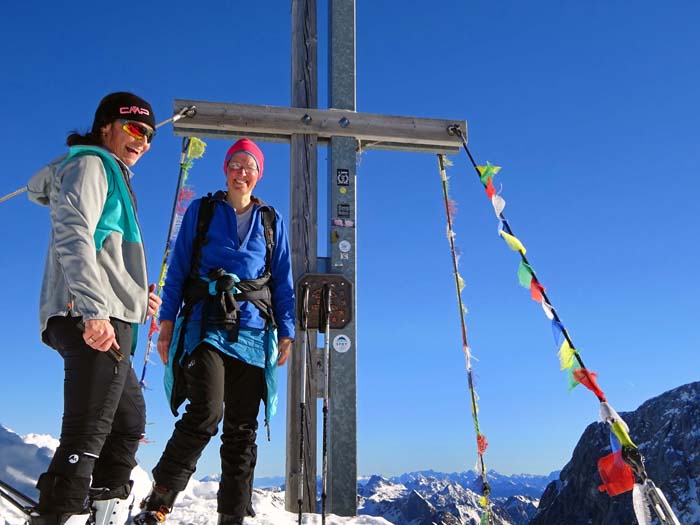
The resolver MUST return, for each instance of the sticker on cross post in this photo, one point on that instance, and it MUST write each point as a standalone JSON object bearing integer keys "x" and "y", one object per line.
{"x": 342, "y": 177}
{"x": 342, "y": 223}
{"x": 343, "y": 210}
{"x": 341, "y": 343}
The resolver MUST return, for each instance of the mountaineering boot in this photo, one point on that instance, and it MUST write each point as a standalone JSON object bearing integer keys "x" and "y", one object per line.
{"x": 227, "y": 519}
{"x": 156, "y": 506}
{"x": 111, "y": 506}
{"x": 59, "y": 519}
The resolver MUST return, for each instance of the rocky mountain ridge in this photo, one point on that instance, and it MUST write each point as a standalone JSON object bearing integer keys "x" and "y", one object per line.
{"x": 667, "y": 431}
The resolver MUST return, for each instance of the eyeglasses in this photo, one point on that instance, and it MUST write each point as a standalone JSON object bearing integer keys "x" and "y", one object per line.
{"x": 138, "y": 130}
{"x": 237, "y": 166}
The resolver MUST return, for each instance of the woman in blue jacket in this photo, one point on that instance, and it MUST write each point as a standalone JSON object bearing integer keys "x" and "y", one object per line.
{"x": 231, "y": 267}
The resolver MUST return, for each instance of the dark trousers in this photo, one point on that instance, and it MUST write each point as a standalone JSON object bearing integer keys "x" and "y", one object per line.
{"x": 104, "y": 418}
{"x": 217, "y": 386}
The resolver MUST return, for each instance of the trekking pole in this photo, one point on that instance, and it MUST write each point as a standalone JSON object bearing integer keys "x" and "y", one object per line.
{"x": 325, "y": 313}
{"x": 302, "y": 403}
{"x": 18, "y": 499}
{"x": 189, "y": 111}
{"x": 153, "y": 328}
{"x": 13, "y": 194}
{"x": 188, "y": 144}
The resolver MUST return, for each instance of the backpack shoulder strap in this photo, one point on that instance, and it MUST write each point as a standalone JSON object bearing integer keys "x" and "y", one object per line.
{"x": 204, "y": 216}
{"x": 269, "y": 221}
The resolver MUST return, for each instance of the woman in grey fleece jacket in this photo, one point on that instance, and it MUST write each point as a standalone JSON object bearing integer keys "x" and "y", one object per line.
{"x": 94, "y": 291}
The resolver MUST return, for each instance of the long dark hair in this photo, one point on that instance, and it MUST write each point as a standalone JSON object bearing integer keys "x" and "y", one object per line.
{"x": 91, "y": 138}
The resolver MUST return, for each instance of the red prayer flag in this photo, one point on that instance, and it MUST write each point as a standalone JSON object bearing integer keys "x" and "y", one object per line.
{"x": 490, "y": 190}
{"x": 481, "y": 443}
{"x": 536, "y": 290}
{"x": 588, "y": 379}
{"x": 153, "y": 328}
{"x": 617, "y": 475}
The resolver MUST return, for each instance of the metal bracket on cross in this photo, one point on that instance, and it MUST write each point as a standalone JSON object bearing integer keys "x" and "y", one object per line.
{"x": 341, "y": 299}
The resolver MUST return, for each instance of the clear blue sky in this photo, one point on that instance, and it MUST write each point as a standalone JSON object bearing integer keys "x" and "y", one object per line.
{"x": 590, "y": 107}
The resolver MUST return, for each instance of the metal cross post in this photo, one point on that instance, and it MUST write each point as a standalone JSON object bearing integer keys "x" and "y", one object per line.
{"x": 344, "y": 131}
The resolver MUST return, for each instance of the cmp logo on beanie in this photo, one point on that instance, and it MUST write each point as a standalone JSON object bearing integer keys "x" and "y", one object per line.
{"x": 131, "y": 110}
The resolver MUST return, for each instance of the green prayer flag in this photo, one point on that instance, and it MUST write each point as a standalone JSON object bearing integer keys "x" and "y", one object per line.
{"x": 570, "y": 377}
{"x": 525, "y": 274}
{"x": 487, "y": 172}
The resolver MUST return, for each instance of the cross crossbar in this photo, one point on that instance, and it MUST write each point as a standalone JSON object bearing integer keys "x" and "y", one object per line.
{"x": 278, "y": 124}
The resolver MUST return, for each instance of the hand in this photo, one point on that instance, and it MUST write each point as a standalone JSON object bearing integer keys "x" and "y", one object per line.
{"x": 99, "y": 334}
{"x": 154, "y": 301}
{"x": 284, "y": 346}
{"x": 164, "y": 337}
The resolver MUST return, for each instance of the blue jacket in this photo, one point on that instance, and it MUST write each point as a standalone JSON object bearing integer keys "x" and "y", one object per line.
{"x": 246, "y": 260}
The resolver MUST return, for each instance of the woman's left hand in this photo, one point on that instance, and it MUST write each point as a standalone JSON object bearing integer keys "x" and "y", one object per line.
{"x": 154, "y": 301}
{"x": 284, "y": 346}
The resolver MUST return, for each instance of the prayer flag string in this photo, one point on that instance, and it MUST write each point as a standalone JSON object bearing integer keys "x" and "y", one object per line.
{"x": 617, "y": 469}
{"x": 481, "y": 443}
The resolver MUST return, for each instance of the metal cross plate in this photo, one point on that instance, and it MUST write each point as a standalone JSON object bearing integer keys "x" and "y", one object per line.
{"x": 341, "y": 299}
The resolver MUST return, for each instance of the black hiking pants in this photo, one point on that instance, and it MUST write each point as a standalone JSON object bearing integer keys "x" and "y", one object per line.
{"x": 104, "y": 418}
{"x": 217, "y": 386}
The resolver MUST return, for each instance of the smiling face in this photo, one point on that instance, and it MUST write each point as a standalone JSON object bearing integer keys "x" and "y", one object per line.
{"x": 241, "y": 174}
{"x": 129, "y": 149}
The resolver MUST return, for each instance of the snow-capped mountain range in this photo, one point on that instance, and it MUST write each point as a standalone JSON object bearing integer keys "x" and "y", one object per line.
{"x": 448, "y": 499}
{"x": 666, "y": 429}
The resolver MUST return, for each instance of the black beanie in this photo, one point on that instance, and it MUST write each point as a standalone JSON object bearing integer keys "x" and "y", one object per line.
{"x": 123, "y": 105}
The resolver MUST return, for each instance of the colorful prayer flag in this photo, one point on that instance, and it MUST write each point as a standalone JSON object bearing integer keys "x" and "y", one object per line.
{"x": 512, "y": 242}
{"x": 617, "y": 475}
{"x": 525, "y": 274}
{"x": 588, "y": 379}
{"x": 566, "y": 355}
{"x": 196, "y": 148}
{"x": 487, "y": 172}
{"x": 481, "y": 443}
{"x": 548, "y": 311}
{"x": 536, "y": 291}
{"x": 570, "y": 379}
{"x": 499, "y": 203}
{"x": 614, "y": 443}
{"x": 622, "y": 435}
{"x": 557, "y": 332}
{"x": 490, "y": 190}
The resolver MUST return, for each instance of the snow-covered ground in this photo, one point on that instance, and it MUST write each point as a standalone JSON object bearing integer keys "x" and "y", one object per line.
{"x": 25, "y": 457}
{"x": 197, "y": 505}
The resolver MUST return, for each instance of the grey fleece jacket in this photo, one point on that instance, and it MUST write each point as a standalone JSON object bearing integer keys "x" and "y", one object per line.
{"x": 96, "y": 265}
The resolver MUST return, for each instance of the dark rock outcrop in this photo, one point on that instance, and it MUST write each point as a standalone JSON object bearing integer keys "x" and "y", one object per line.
{"x": 667, "y": 431}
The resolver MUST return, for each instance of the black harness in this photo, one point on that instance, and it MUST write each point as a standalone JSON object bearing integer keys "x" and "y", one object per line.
{"x": 220, "y": 293}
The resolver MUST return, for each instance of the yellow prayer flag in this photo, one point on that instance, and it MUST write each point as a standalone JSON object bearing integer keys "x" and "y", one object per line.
{"x": 621, "y": 434}
{"x": 161, "y": 278}
{"x": 566, "y": 355}
{"x": 512, "y": 242}
{"x": 461, "y": 283}
{"x": 489, "y": 169}
{"x": 196, "y": 148}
